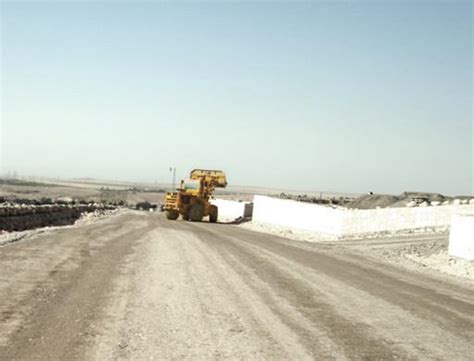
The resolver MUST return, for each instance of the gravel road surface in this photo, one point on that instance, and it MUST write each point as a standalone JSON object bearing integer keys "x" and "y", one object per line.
{"x": 136, "y": 286}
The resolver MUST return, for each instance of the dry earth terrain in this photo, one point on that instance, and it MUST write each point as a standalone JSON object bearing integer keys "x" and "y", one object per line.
{"x": 97, "y": 190}
{"x": 136, "y": 286}
{"x": 78, "y": 191}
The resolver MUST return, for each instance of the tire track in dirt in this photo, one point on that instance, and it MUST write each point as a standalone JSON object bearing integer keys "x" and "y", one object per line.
{"x": 254, "y": 298}
{"x": 450, "y": 316}
{"x": 138, "y": 286}
{"x": 408, "y": 289}
{"x": 198, "y": 308}
{"x": 59, "y": 312}
{"x": 389, "y": 322}
{"x": 353, "y": 338}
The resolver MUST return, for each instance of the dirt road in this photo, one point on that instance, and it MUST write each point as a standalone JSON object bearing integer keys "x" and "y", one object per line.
{"x": 137, "y": 286}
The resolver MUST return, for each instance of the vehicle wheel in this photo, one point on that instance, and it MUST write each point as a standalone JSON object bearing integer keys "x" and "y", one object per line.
{"x": 213, "y": 214}
{"x": 172, "y": 215}
{"x": 196, "y": 213}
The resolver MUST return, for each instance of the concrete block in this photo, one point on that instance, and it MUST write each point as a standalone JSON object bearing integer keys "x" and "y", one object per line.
{"x": 342, "y": 222}
{"x": 461, "y": 237}
{"x": 298, "y": 215}
{"x": 232, "y": 209}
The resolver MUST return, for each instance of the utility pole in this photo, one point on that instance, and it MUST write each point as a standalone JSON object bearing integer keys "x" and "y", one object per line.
{"x": 173, "y": 169}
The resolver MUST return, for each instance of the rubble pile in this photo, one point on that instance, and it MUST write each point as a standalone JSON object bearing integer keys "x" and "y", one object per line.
{"x": 316, "y": 200}
{"x": 20, "y": 217}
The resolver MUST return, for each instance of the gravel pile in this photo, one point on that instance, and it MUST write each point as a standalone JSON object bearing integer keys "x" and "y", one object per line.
{"x": 406, "y": 199}
{"x": 429, "y": 256}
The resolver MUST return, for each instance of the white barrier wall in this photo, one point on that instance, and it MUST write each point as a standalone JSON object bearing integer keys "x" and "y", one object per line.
{"x": 231, "y": 209}
{"x": 343, "y": 222}
{"x": 299, "y": 215}
{"x": 461, "y": 238}
{"x": 399, "y": 219}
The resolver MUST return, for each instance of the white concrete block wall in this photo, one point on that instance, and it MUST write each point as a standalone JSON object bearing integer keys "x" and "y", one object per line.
{"x": 398, "y": 219}
{"x": 342, "y": 222}
{"x": 461, "y": 237}
{"x": 299, "y": 215}
{"x": 230, "y": 209}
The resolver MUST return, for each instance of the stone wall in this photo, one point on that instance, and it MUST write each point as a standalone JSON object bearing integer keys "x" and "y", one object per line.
{"x": 342, "y": 222}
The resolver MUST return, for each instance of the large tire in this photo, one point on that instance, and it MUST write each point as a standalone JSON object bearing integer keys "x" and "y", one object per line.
{"x": 196, "y": 213}
{"x": 213, "y": 214}
{"x": 172, "y": 215}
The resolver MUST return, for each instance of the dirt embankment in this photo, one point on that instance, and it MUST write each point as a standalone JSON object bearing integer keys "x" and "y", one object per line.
{"x": 17, "y": 218}
{"x": 406, "y": 199}
{"x": 372, "y": 201}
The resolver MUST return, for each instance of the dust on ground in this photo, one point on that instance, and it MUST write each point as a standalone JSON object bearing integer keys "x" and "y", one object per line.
{"x": 139, "y": 286}
{"x": 422, "y": 250}
{"x": 426, "y": 254}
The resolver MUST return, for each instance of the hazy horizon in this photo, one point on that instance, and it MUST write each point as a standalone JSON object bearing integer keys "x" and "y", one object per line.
{"x": 342, "y": 97}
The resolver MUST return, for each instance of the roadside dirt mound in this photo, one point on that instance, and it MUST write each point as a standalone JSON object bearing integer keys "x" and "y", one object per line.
{"x": 426, "y": 196}
{"x": 37, "y": 220}
{"x": 23, "y": 218}
{"x": 317, "y": 200}
{"x": 371, "y": 201}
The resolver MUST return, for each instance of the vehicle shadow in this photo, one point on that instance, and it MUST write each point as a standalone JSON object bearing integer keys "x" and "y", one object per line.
{"x": 238, "y": 220}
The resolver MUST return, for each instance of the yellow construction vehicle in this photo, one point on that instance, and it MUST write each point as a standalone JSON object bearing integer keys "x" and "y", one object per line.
{"x": 192, "y": 197}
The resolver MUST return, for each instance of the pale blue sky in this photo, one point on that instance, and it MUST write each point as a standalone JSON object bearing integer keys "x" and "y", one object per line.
{"x": 347, "y": 96}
